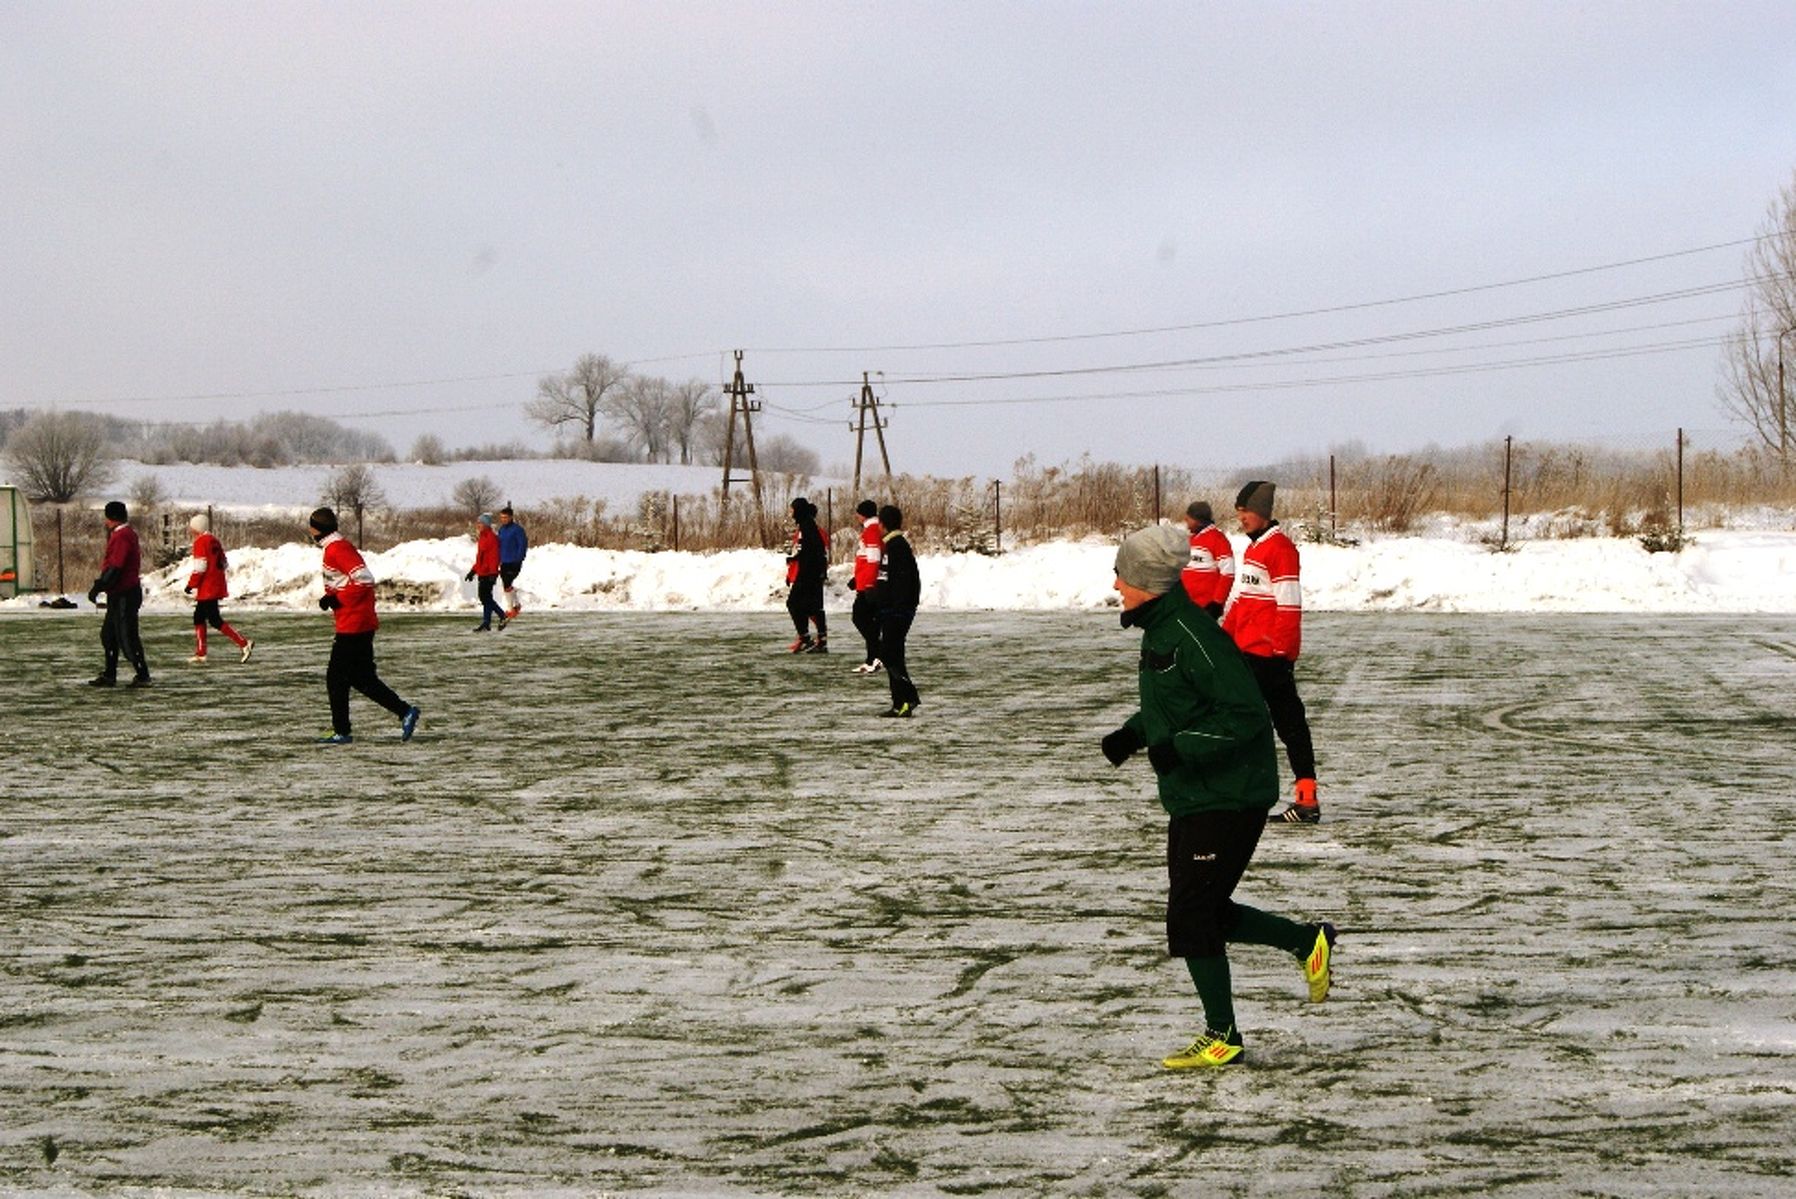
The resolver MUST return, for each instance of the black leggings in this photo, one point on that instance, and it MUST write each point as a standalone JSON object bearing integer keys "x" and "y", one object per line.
{"x": 894, "y": 627}
{"x": 805, "y": 603}
{"x": 1278, "y": 687}
{"x": 866, "y": 622}
{"x": 352, "y": 665}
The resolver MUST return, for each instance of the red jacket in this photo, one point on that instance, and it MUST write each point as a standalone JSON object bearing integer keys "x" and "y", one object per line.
{"x": 486, "y": 553}
{"x": 122, "y": 552}
{"x": 1210, "y": 574}
{"x": 348, "y": 578}
{"x": 208, "y": 577}
{"x": 866, "y": 560}
{"x": 1265, "y": 614}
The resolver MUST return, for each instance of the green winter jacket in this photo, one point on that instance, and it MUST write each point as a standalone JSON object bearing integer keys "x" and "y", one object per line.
{"x": 1196, "y": 692}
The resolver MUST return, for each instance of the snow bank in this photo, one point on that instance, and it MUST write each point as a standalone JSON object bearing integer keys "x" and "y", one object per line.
{"x": 1721, "y": 571}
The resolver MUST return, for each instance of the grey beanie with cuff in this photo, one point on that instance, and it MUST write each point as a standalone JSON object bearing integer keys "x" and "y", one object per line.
{"x": 1151, "y": 559}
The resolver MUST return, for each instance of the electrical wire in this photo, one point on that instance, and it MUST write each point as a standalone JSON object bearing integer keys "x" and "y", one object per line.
{"x": 1230, "y": 322}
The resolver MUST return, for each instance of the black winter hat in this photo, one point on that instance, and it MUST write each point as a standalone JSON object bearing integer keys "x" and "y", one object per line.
{"x": 867, "y": 508}
{"x": 891, "y": 517}
{"x": 1257, "y": 497}
{"x": 323, "y": 521}
{"x": 115, "y": 510}
{"x": 1200, "y": 511}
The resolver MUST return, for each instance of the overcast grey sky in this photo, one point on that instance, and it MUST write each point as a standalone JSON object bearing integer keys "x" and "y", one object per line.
{"x": 348, "y": 200}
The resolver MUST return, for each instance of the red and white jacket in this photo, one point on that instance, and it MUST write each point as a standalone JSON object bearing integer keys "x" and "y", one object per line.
{"x": 1210, "y": 574}
{"x": 347, "y": 577}
{"x": 866, "y": 559}
{"x": 1265, "y": 613}
{"x": 208, "y": 577}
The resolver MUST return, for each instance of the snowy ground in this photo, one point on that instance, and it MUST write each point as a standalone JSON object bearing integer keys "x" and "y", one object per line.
{"x": 651, "y": 906}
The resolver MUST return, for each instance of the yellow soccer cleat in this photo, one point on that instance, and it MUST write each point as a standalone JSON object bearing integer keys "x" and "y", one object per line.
{"x": 1212, "y": 1048}
{"x": 1315, "y": 967}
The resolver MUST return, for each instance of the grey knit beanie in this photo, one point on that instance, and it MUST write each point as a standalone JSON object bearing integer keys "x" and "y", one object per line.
{"x": 1151, "y": 558}
{"x": 1257, "y": 497}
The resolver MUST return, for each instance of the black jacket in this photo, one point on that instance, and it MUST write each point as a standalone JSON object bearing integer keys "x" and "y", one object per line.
{"x": 899, "y": 585}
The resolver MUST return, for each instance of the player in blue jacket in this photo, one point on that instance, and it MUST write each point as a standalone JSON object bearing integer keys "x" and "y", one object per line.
{"x": 513, "y": 544}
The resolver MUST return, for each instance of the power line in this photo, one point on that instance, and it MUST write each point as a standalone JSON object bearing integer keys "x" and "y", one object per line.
{"x": 1289, "y": 384}
{"x": 1229, "y": 322}
{"x": 1288, "y": 351}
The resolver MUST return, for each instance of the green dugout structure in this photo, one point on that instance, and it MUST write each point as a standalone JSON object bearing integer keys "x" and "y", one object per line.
{"x": 18, "y": 571}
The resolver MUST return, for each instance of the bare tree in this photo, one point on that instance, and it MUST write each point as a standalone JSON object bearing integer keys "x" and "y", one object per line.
{"x": 1760, "y": 367}
{"x": 60, "y": 455}
{"x": 476, "y": 495}
{"x": 578, "y": 397}
{"x": 640, "y": 408}
{"x": 353, "y": 489}
{"x": 428, "y": 449}
{"x": 782, "y": 454}
{"x": 688, "y": 404}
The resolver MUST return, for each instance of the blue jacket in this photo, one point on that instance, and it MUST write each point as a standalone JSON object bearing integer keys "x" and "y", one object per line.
{"x": 512, "y": 543}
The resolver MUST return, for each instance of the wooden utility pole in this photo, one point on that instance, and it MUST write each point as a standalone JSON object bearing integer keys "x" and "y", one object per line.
{"x": 868, "y": 405}
{"x": 1508, "y": 447}
{"x": 739, "y": 392}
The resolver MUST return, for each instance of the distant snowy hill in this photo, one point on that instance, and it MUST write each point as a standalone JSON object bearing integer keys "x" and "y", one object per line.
{"x": 525, "y": 482}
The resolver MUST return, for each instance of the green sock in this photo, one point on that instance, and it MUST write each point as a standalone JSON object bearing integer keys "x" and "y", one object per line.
{"x": 1254, "y": 927}
{"x": 1211, "y": 975}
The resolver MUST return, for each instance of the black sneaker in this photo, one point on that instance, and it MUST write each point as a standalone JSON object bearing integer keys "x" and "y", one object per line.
{"x": 819, "y": 646}
{"x": 102, "y": 680}
{"x": 903, "y": 710}
{"x": 1297, "y": 813}
{"x": 142, "y": 680}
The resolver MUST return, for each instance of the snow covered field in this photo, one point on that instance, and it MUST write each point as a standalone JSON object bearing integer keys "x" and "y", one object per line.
{"x": 651, "y": 906}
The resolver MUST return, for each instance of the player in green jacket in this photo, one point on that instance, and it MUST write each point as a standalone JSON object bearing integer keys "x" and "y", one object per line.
{"x": 1209, "y": 739}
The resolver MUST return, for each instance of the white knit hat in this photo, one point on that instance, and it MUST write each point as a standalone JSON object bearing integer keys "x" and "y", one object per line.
{"x": 201, "y": 523}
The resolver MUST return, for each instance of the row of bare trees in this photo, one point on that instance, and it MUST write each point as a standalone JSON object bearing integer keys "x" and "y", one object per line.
{"x": 656, "y": 417}
{"x": 647, "y": 419}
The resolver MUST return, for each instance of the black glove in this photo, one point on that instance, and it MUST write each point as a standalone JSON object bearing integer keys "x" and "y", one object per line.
{"x": 1164, "y": 757}
{"x": 1214, "y": 610}
{"x": 93, "y": 595}
{"x": 327, "y": 601}
{"x": 1121, "y": 745}
{"x": 188, "y": 589}
{"x": 468, "y": 578}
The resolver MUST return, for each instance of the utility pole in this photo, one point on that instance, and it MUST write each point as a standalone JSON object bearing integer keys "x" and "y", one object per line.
{"x": 868, "y": 404}
{"x": 739, "y": 392}
{"x": 1783, "y": 405}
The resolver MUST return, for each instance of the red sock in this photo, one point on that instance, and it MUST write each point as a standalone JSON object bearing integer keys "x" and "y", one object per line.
{"x": 233, "y": 634}
{"x": 199, "y": 640}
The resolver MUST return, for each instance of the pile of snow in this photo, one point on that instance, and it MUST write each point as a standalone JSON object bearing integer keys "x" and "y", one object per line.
{"x": 1721, "y": 571}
